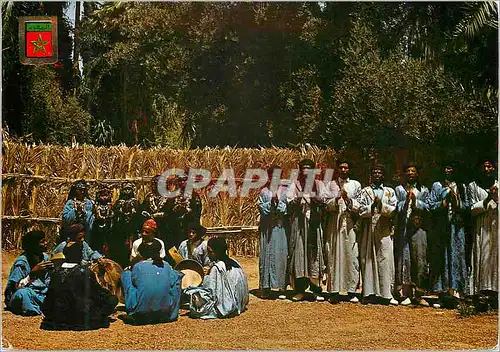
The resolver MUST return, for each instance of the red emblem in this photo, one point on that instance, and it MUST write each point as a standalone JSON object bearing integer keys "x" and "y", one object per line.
{"x": 38, "y": 40}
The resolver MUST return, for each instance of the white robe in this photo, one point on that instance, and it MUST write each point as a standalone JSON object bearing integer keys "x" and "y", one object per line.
{"x": 223, "y": 293}
{"x": 377, "y": 250}
{"x": 306, "y": 235}
{"x": 341, "y": 244}
{"x": 485, "y": 241}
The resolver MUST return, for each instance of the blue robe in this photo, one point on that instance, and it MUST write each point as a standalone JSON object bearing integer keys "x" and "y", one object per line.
{"x": 223, "y": 293}
{"x": 88, "y": 254}
{"x": 152, "y": 293}
{"x": 273, "y": 241}
{"x": 28, "y": 299}
{"x": 410, "y": 253}
{"x": 447, "y": 239}
{"x": 69, "y": 216}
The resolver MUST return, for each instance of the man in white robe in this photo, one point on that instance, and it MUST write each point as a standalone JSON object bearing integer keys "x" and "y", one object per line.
{"x": 305, "y": 251}
{"x": 377, "y": 204}
{"x": 484, "y": 207}
{"x": 341, "y": 244}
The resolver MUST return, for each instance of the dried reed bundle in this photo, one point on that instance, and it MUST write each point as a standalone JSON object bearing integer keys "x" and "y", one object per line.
{"x": 56, "y": 167}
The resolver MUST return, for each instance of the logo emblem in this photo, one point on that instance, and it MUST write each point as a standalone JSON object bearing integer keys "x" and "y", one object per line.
{"x": 38, "y": 40}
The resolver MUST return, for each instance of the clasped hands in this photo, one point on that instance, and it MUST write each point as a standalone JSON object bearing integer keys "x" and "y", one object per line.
{"x": 450, "y": 199}
{"x": 377, "y": 204}
{"x": 345, "y": 197}
{"x": 411, "y": 200}
{"x": 492, "y": 195}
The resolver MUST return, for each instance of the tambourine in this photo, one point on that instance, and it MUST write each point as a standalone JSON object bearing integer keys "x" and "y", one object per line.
{"x": 193, "y": 273}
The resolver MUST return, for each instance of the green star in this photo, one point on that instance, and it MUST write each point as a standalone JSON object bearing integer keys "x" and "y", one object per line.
{"x": 39, "y": 45}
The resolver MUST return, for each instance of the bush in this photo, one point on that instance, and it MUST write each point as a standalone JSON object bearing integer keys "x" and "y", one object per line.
{"x": 50, "y": 116}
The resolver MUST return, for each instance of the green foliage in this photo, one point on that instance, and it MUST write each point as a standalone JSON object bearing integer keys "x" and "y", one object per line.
{"x": 168, "y": 122}
{"x": 351, "y": 75}
{"x": 53, "y": 117}
{"x": 478, "y": 15}
{"x": 50, "y": 119}
{"x": 302, "y": 99}
{"x": 399, "y": 101}
{"x": 102, "y": 133}
{"x": 223, "y": 65}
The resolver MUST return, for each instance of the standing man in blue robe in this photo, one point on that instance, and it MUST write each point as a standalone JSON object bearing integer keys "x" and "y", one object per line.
{"x": 29, "y": 277}
{"x": 273, "y": 239}
{"x": 449, "y": 204}
{"x": 152, "y": 289}
{"x": 410, "y": 240}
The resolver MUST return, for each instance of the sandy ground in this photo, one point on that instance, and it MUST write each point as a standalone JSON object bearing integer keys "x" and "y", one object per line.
{"x": 269, "y": 324}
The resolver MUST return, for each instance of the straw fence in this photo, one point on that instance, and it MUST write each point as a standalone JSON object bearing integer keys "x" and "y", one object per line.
{"x": 36, "y": 180}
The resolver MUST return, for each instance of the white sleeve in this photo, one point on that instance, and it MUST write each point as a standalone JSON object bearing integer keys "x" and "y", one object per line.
{"x": 23, "y": 282}
{"x": 355, "y": 195}
{"x": 162, "y": 250}
{"x": 390, "y": 206}
{"x": 133, "y": 252}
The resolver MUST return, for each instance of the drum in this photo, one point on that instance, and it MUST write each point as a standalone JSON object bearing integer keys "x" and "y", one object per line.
{"x": 108, "y": 274}
{"x": 193, "y": 273}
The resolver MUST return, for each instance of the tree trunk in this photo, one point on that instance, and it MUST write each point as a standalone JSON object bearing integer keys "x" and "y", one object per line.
{"x": 76, "y": 44}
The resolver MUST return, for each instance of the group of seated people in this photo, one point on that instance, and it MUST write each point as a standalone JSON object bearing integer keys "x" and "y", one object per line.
{"x": 111, "y": 227}
{"x": 74, "y": 288}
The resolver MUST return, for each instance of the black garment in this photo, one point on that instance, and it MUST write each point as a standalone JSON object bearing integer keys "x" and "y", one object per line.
{"x": 75, "y": 301}
{"x": 192, "y": 216}
{"x": 155, "y": 204}
{"x": 119, "y": 251}
{"x": 125, "y": 230}
{"x": 102, "y": 227}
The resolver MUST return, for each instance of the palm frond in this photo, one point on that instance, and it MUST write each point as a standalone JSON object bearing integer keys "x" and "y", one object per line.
{"x": 478, "y": 16}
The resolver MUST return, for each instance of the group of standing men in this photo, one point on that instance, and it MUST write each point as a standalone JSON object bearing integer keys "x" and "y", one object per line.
{"x": 395, "y": 245}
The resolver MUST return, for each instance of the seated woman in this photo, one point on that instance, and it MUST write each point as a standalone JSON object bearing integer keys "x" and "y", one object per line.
{"x": 152, "y": 289}
{"x": 29, "y": 276}
{"x": 224, "y": 291}
{"x": 194, "y": 247}
{"x": 75, "y": 235}
{"x": 75, "y": 300}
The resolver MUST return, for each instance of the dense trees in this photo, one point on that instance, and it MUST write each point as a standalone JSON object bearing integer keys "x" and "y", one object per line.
{"x": 350, "y": 75}
{"x": 37, "y": 102}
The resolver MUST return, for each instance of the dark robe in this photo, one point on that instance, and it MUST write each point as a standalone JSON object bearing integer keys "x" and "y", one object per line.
{"x": 75, "y": 301}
